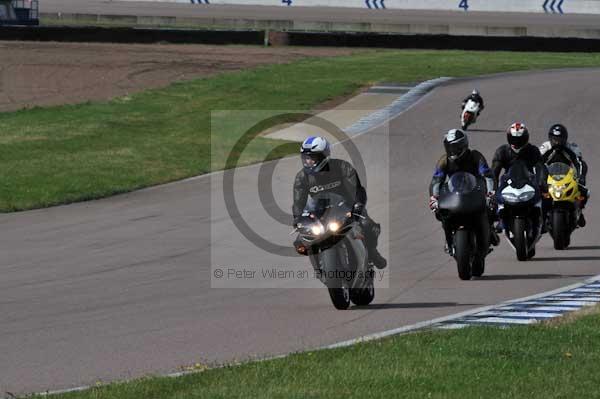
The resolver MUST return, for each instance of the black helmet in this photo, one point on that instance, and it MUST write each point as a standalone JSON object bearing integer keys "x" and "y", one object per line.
{"x": 558, "y": 135}
{"x": 456, "y": 144}
{"x": 517, "y": 136}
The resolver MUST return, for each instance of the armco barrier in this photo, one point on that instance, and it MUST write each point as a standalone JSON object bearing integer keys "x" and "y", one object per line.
{"x": 520, "y": 6}
{"x": 130, "y": 35}
{"x": 428, "y": 41}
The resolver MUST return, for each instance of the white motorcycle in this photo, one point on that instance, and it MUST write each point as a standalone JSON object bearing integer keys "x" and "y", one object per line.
{"x": 469, "y": 114}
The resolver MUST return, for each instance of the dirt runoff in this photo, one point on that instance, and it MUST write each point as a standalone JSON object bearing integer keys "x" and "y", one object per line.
{"x": 43, "y": 74}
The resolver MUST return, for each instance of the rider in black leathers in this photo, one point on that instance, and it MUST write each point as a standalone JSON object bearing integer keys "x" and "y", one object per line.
{"x": 321, "y": 173}
{"x": 559, "y": 150}
{"x": 459, "y": 158}
{"x": 518, "y": 149}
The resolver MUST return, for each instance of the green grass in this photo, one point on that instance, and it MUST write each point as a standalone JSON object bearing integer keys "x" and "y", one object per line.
{"x": 558, "y": 360}
{"x": 57, "y": 155}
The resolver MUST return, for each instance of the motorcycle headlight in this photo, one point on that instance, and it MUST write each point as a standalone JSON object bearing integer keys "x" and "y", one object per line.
{"x": 333, "y": 226}
{"x": 510, "y": 197}
{"x": 526, "y": 196}
{"x": 557, "y": 191}
{"x": 317, "y": 230}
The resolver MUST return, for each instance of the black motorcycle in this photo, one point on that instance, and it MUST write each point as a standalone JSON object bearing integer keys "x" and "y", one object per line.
{"x": 463, "y": 209}
{"x": 520, "y": 209}
{"x": 333, "y": 239}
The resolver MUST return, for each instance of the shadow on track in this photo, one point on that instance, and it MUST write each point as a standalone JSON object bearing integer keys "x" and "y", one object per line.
{"x": 486, "y": 131}
{"x": 414, "y": 305}
{"x": 565, "y": 258}
{"x": 583, "y": 248}
{"x": 502, "y": 277}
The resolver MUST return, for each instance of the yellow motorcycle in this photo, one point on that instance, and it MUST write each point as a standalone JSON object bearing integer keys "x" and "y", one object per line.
{"x": 563, "y": 189}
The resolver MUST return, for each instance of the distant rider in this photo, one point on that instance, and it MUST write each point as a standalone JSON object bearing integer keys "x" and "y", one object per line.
{"x": 459, "y": 158}
{"x": 476, "y": 97}
{"x": 558, "y": 149}
{"x": 321, "y": 173}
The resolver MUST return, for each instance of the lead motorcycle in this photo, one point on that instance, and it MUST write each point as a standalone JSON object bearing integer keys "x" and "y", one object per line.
{"x": 469, "y": 114}
{"x": 520, "y": 209}
{"x": 332, "y": 238}
{"x": 463, "y": 207}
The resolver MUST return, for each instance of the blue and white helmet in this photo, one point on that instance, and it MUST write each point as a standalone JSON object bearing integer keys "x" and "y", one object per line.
{"x": 315, "y": 154}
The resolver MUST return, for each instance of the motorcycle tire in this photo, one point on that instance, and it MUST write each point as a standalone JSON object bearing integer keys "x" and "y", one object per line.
{"x": 520, "y": 239}
{"x": 340, "y": 296}
{"x": 560, "y": 229}
{"x": 363, "y": 296}
{"x": 478, "y": 267}
{"x": 463, "y": 253}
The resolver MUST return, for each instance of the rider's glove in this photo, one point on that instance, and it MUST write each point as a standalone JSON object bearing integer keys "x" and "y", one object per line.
{"x": 491, "y": 200}
{"x": 357, "y": 210}
{"x": 296, "y": 222}
{"x": 433, "y": 203}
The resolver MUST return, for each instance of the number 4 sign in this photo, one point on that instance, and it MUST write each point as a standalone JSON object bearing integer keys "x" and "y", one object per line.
{"x": 464, "y": 4}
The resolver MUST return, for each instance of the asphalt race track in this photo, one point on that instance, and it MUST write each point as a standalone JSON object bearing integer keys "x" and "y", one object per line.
{"x": 120, "y": 287}
{"x": 329, "y": 14}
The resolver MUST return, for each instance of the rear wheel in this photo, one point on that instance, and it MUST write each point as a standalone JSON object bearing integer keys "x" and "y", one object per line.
{"x": 560, "y": 230}
{"x": 520, "y": 239}
{"x": 363, "y": 296}
{"x": 462, "y": 253}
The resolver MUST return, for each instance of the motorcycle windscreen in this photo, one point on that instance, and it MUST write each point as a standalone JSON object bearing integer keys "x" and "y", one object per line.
{"x": 519, "y": 175}
{"x": 558, "y": 170}
{"x": 326, "y": 204}
{"x": 462, "y": 194}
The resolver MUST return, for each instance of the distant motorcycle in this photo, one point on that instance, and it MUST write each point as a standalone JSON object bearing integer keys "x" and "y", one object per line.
{"x": 469, "y": 114}
{"x": 334, "y": 242}
{"x": 520, "y": 209}
{"x": 462, "y": 205}
{"x": 563, "y": 189}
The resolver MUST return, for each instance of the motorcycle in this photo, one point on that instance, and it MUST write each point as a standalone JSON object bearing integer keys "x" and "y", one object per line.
{"x": 469, "y": 114}
{"x": 462, "y": 207}
{"x": 334, "y": 242}
{"x": 563, "y": 190}
{"x": 520, "y": 210}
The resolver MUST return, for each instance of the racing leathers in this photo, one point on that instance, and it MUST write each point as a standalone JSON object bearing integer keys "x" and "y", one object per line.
{"x": 571, "y": 151}
{"x": 475, "y": 97}
{"x": 339, "y": 177}
{"x": 571, "y": 155}
{"x": 505, "y": 156}
{"x": 475, "y": 163}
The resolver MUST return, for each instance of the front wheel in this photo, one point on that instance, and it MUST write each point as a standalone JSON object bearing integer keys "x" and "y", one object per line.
{"x": 340, "y": 297}
{"x": 463, "y": 253}
{"x": 520, "y": 239}
{"x": 363, "y": 296}
{"x": 478, "y": 266}
{"x": 560, "y": 230}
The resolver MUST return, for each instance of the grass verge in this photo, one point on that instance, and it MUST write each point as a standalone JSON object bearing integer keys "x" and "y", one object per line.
{"x": 64, "y": 154}
{"x": 553, "y": 360}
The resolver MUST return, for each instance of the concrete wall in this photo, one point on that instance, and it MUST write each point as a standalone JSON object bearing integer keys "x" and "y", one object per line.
{"x": 523, "y": 6}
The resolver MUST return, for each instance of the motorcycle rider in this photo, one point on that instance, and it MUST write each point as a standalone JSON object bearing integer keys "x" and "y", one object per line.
{"x": 321, "y": 173}
{"x": 519, "y": 149}
{"x": 459, "y": 158}
{"x": 476, "y": 97}
{"x": 558, "y": 149}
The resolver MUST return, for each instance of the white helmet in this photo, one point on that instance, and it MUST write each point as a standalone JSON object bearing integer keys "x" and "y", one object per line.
{"x": 475, "y": 92}
{"x": 315, "y": 154}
